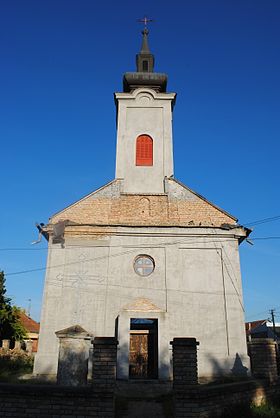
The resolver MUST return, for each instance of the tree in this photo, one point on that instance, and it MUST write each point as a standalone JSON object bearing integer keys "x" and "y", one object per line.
{"x": 10, "y": 326}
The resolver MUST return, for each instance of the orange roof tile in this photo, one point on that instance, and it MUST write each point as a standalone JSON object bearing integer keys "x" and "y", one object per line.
{"x": 29, "y": 323}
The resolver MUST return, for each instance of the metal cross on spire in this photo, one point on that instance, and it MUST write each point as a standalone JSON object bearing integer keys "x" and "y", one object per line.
{"x": 145, "y": 20}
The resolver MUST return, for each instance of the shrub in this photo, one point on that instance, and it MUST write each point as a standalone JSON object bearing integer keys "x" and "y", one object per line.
{"x": 15, "y": 361}
{"x": 266, "y": 410}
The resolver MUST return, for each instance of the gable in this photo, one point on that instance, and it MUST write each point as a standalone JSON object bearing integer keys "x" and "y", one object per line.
{"x": 178, "y": 191}
{"x": 179, "y": 206}
{"x": 142, "y": 305}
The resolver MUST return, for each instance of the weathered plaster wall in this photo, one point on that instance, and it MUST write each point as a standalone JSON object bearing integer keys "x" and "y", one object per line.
{"x": 144, "y": 112}
{"x": 196, "y": 287}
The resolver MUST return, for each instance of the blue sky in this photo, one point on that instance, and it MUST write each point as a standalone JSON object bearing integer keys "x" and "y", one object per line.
{"x": 61, "y": 61}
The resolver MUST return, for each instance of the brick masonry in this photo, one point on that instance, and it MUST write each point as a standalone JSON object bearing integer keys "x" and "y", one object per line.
{"x": 184, "y": 351}
{"x": 26, "y": 401}
{"x": 170, "y": 209}
{"x": 263, "y": 358}
{"x": 205, "y": 401}
{"x": 190, "y": 399}
{"x": 193, "y": 400}
{"x": 104, "y": 362}
{"x": 96, "y": 400}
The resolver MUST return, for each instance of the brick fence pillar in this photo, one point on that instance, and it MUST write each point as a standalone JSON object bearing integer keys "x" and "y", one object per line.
{"x": 104, "y": 362}
{"x": 185, "y": 377}
{"x": 263, "y": 358}
{"x": 6, "y": 344}
{"x": 184, "y": 361}
{"x": 104, "y": 365}
{"x": 17, "y": 345}
{"x": 29, "y": 346}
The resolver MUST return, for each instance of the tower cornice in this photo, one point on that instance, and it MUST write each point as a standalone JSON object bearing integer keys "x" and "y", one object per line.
{"x": 139, "y": 91}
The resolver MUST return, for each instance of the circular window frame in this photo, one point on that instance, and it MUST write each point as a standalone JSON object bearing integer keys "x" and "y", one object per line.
{"x": 147, "y": 257}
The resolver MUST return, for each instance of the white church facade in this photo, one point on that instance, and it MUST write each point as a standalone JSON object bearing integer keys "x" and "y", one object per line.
{"x": 145, "y": 258}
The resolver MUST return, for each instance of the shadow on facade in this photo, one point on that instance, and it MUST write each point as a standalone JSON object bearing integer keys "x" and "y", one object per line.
{"x": 137, "y": 398}
{"x": 232, "y": 395}
{"x": 227, "y": 368}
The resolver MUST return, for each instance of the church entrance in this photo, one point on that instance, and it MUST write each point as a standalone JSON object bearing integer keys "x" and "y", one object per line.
{"x": 143, "y": 349}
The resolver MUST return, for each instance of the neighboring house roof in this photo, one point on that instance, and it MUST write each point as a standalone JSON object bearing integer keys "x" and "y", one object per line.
{"x": 29, "y": 324}
{"x": 262, "y": 328}
{"x": 250, "y": 326}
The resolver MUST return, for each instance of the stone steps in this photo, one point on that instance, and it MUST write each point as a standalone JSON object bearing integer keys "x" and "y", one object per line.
{"x": 145, "y": 399}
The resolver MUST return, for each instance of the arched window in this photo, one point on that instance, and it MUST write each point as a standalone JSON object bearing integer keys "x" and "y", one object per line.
{"x": 144, "y": 150}
{"x": 145, "y": 66}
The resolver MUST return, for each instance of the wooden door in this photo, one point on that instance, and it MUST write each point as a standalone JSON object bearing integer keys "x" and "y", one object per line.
{"x": 138, "y": 355}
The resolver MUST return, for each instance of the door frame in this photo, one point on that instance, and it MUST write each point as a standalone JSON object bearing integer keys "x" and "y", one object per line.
{"x": 150, "y": 329}
{"x": 123, "y": 336}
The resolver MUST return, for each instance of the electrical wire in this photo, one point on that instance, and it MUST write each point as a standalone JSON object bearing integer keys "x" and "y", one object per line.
{"x": 263, "y": 238}
{"x": 224, "y": 253}
{"x": 91, "y": 246}
{"x": 23, "y": 249}
{"x": 148, "y": 245}
{"x": 262, "y": 221}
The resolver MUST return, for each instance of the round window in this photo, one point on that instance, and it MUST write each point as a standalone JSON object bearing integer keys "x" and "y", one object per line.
{"x": 144, "y": 265}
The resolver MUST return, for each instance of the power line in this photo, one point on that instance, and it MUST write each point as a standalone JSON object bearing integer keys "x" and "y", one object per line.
{"x": 263, "y": 238}
{"x": 229, "y": 275}
{"x": 254, "y": 223}
{"x": 262, "y": 221}
{"x": 23, "y": 249}
{"x": 255, "y": 315}
{"x": 147, "y": 245}
{"x": 150, "y": 245}
{"x": 262, "y": 312}
{"x": 92, "y": 246}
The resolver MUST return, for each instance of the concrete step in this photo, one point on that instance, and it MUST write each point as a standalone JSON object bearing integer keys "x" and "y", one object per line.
{"x": 144, "y": 399}
{"x": 142, "y": 388}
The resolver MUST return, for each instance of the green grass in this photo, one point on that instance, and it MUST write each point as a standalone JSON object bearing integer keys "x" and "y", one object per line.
{"x": 266, "y": 410}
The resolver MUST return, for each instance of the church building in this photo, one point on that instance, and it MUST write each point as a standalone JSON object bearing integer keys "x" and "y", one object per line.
{"x": 145, "y": 258}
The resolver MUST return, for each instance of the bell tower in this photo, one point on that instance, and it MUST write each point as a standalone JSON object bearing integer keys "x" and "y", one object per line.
{"x": 144, "y": 127}
{"x": 145, "y": 60}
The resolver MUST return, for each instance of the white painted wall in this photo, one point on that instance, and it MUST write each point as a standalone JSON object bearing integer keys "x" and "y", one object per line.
{"x": 144, "y": 112}
{"x": 196, "y": 284}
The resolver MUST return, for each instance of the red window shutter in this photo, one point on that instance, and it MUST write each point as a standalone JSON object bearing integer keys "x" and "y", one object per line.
{"x": 144, "y": 150}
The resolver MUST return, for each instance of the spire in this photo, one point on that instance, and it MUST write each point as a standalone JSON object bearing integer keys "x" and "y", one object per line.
{"x": 145, "y": 60}
{"x": 144, "y": 75}
{"x": 145, "y": 47}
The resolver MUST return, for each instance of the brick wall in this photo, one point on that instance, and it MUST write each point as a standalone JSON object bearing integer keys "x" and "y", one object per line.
{"x": 263, "y": 356}
{"x": 104, "y": 362}
{"x": 205, "y": 401}
{"x": 97, "y": 400}
{"x": 193, "y": 400}
{"x": 26, "y": 401}
{"x": 129, "y": 209}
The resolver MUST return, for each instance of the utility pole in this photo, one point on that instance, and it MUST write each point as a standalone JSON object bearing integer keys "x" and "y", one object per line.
{"x": 272, "y": 313}
{"x": 29, "y": 308}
